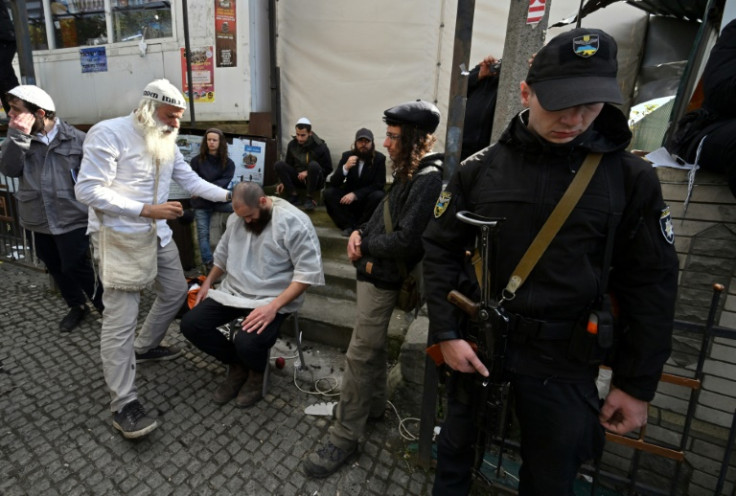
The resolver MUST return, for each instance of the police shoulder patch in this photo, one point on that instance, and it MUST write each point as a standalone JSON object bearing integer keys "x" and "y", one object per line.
{"x": 665, "y": 225}
{"x": 442, "y": 203}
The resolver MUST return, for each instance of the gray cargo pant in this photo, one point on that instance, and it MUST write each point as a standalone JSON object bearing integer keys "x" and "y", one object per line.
{"x": 363, "y": 390}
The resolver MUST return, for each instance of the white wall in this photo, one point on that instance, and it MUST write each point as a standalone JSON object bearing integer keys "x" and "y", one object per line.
{"x": 88, "y": 98}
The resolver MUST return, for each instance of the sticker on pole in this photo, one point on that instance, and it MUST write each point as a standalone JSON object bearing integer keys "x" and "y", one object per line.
{"x": 535, "y": 12}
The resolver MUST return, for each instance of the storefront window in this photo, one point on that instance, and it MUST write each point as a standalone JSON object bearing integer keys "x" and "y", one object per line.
{"x": 83, "y": 22}
{"x": 136, "y": 19}
{"x": 36, "y": 25}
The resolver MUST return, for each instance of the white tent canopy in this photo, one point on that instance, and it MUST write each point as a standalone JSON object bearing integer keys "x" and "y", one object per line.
{"x": 343, "y": 63}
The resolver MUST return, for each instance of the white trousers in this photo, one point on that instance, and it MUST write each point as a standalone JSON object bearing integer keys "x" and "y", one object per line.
{"x": 118, "y": 342}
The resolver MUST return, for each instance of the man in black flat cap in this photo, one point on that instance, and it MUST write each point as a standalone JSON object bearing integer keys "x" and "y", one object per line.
{"x": 616, "y": 244}
{"x": 380, "y": 256}
{"x": 356, "y": 186}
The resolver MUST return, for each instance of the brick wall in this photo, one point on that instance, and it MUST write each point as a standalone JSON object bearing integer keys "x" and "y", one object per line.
{"x": 706, "y": 246}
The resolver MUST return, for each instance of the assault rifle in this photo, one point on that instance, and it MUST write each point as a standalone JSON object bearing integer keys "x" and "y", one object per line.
{"x": 489, "y": 333}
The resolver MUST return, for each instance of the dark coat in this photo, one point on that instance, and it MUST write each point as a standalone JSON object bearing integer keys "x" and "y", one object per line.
{"x": 410, "y": 205}
{"x": 521, "y": 179}
{"x": 372, "y": 178}
{"x": 719, "y": 100}
{"x": 479, "y": 110}
{"x": 211, "y": 170}
{"x": 314, "y": 150}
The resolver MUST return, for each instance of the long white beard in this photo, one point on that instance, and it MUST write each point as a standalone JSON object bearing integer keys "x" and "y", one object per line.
{"x": 160, "y": 139}
{"x": 161, "y": 145}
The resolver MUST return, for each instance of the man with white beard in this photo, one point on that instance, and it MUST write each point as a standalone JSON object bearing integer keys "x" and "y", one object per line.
{"x": 117, "y": 180}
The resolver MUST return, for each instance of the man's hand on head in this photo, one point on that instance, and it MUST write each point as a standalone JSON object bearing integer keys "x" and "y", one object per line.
{"x": 22, "y": 122}
{"x": 169, "y": 210}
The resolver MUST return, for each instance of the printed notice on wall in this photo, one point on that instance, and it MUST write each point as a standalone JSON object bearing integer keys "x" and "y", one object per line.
{"x": 225, "y": 33}
{"x": 203, "y": 75}
{"x": 93, "y": 59}
{"x": 249, "y": 156}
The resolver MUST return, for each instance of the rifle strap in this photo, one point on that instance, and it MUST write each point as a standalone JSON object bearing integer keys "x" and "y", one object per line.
{"x": 388, "y": 224}
{"x": 553, "y": 224}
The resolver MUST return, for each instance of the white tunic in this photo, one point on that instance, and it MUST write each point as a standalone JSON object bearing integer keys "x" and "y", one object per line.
{"x": 261, "y": 267}
{"x": 117, "y": 178}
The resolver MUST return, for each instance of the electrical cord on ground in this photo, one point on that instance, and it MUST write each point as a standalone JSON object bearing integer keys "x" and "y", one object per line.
{"x": 404, "y": 432}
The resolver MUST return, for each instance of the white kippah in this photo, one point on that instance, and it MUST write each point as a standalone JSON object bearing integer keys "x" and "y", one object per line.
{"x": 161, "y": 90}
{"x": 304, "y": 121}
{"x": 35, "y": 95}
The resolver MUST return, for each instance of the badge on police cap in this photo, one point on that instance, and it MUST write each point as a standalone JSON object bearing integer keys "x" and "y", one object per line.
{"x": 585, "y": 46}
{"x": 442, "y": 203}
{"x": 665, "y": 225}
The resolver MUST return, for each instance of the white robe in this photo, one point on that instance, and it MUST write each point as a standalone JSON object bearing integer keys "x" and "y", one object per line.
{"x": 261, "y": 267}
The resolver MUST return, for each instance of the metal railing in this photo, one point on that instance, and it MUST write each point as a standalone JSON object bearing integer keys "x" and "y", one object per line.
{"x": 15, "y": 244}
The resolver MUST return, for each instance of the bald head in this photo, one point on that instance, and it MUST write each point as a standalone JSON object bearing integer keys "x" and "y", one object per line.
{"x": 248, "y": 193}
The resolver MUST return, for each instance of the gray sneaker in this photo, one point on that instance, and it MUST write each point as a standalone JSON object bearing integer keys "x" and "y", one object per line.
{"x": 158, "y": 353}
{"x": 132, "y": 421}
{"x": 326, "y": 460}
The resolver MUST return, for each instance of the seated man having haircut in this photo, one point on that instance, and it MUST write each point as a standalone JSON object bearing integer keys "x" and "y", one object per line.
{"x": 270, "y": 255}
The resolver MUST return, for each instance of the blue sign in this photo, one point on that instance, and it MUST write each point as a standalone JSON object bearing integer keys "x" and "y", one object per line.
{"x": 93, "y": 59}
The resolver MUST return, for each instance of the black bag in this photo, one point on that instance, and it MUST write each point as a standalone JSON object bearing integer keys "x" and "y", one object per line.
{"x": 408, "y": 294}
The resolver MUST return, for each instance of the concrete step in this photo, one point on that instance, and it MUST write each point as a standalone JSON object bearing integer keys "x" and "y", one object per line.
{"x": 330, "y": 321}
{"x": 339, "y": 280}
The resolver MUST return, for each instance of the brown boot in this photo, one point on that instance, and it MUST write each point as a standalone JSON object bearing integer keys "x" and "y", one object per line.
{"x": 251, "y": 392}
{"x": 236, "y": 377}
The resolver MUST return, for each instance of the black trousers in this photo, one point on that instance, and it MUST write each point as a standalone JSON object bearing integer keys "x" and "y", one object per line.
{"x": 353, "y": 214}
{"x": 67, "y": 259}
{"x": 559, "y": 431}
{"x": 290, "y": 178}
{"x": 199, "y": 325}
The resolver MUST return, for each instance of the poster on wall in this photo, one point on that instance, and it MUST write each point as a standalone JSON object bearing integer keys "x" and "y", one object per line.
{"x": 225, "y": 33}
{"x": 203, "y": 75}
{"x": 249, "y": 156}
{"x": 93, "y": 59}
{"x": 188, "y": 145}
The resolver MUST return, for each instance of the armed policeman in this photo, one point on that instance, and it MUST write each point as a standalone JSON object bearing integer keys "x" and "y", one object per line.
{"x": 615, "y": 244}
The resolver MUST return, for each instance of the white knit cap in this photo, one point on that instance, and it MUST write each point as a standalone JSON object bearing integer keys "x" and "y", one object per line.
{"x": 161, "y": 90}
{"x": 304, "y": 121}
{"x": 35, "y": 95}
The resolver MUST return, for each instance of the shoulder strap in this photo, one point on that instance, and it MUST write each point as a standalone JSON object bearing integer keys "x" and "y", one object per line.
{"x": 552, "y": 226}
{"x": 388, "y": 223}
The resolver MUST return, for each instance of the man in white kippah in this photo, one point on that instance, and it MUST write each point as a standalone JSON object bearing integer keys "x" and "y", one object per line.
{"x": 44, "y": 153}
{"x": 305, "y": 166}
{"x": 128, "y": 165}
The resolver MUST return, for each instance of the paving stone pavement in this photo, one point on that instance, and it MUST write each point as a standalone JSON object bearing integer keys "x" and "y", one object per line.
{"x": 56, "y": 434}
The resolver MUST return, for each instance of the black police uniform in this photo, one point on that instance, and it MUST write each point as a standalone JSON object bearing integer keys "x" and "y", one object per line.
{"x": 521, "y": 179}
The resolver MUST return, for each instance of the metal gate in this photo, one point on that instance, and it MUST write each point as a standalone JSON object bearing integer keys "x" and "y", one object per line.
{"x": 15, "y": 245}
